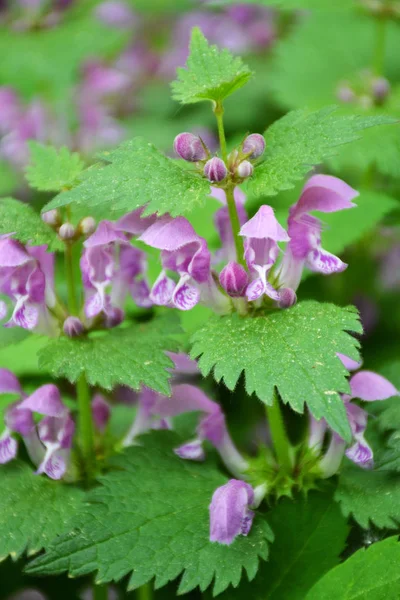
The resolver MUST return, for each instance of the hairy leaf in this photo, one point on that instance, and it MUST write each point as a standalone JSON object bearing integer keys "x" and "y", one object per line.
{"x": 137, "y": 174}
{"x": 150, "y": 518}
{"x": 25, "y": 224}
{"x": 211, "y": 74}
{"x": 51, "y": 170}
{"x": 370, "y": 574}
{"x": 369, "y": 496}
{"x": 132, "y": 356}
{"x": 302, "y": 139}
{"x": 34, "y": 509}
{"x": 294, "y": 350}
{"x": 309, "y": 538}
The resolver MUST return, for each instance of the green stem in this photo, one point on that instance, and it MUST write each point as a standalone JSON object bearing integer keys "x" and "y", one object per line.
{"x": 278, "y": 434}
{"x": 85, "y": 426}
{"x": 219, "y": 114}
{"x": 145, "y": 592}
{"x": 100, "y": 592}
{"x": 380, "y": 46}
{"x": 69, "y": 271}
{"x": 235, "y": 223}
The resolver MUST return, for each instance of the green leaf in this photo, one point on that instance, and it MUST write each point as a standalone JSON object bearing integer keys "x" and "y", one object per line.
{"x": 25, "y": 224}
{"x": 132, "y": 356}
{"x": 211, "y": 73}
{"x": 309, "y": 538}
{"x": 51, "y": 170}
{"x": 302, "y": 139}
{"x": 34, "y": 509}
{"x": 389, "y": 411}
{"x": 137, "y": 174}
{"x": 369, "y": 496}
{"x": 370, "y": 574}
{"x": 294, "y": 350}
{"x": 156, "y": 525}
{"x": 390, "y": 457}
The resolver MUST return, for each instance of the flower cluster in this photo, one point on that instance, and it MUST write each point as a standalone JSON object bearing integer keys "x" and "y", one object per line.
{"x": 366, "y": 90}
{"x": 367, "y": 387}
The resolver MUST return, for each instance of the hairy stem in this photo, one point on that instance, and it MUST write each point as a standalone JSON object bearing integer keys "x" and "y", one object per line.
{"x": 219, "y": 114}
{"x": 85, "y": 426}
{"x": 100, "y": 592}
{"x": 235, "y": 223}
{"x": 278, "y": 433}
{"x": 145, "y": 592}
{"x": 380, "y": 46}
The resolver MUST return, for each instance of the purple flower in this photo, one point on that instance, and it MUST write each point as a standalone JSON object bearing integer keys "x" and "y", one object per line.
{"x": 234, "y": 279}
{"x": 116, "y": 14}
{"x": 10, "y": 110}
{"x": 323, "y": 193}
{"x": 101, "y": 412}
{"x": 261, "y": 234}
{"x": 183, "y": 252}
{"x": 230, "y": 513}
{"x": 368, "y": 387}
{"x": 215, "y": 170}
{"x": 26, "y": 277}
{"x": 254, "y": 143}
{"x": 101, "y": 81}
{"x": 33, "y": 124}
{"x": 73, "y": 327}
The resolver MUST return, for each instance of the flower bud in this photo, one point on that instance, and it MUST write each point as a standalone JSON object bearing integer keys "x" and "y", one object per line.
{"x": 114, "y": 317}
{"x": 245, "y": 169}
{"x": 215, "y": 170}
{"x": 287, "y": 298}
{"x": 66, "y": 231}
{"x": 189, "y": 147}
{"x": 380, "y": 89}
{"x": 51, "y": 217}
{"x": 73, "y": 327}
{"x": 87, "y": 226}
{"x": 234, "y": 279}
{"x": 345, "y": 94}
{"x": 255, "y": 144}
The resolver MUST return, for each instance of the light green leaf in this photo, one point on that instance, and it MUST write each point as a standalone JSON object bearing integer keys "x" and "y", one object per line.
{"x": 302, "y": 139}
{"x": 51, "y": 170}
{"x": 132, "y": 356}
{"x": 369, "y": 496}
{"x": 150, "y": 518}
{"x": 211, "y": 73}
{"x": 25, "y": 224}
{"x": 370, "y": 574}
{"x": 294, "y": 350}
{"x": 137, "y": 174}
{"x": 34, "y": 509}
{"x": 309, "y": 538}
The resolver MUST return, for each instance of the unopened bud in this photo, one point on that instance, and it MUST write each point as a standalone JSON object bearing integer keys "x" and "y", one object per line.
{"x": 73, "y": 327}
{"x": 255, "y": 144}
{"x": 66, "y": 231}
{"x": 245, "y": 169}
{"x": 380, "y": 89}
{"x": 51, "y": 217}
{"x": 287, "y": 298}
{"x": 114, "y": 317}
{"x": 189, "y": 147}
{"x": 234, "y": 279}
{"x": 345, "y": 94}
{"x": 87, "y": 226}
{"x": 215, "y": 170}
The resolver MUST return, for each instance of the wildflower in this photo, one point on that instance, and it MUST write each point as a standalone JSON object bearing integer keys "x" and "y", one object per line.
{"x": 234, "y": 279}
{"x": 245, "y": 169}
{"x": 215, "y": 170}
{"x": 190, "y": 147}
{"x": 254, "y": 143}
{"x": 101, "y": 412}
{"x": 323, "y": 193}
{"x": 73, "y": 327}
{"x": 230, "y": 513}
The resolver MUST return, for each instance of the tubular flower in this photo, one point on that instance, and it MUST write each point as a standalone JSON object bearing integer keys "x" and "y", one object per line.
{"x": 230, "y": 513}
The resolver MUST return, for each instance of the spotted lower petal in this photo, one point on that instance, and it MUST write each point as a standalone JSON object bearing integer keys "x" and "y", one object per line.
{"x": 321, "y": 261}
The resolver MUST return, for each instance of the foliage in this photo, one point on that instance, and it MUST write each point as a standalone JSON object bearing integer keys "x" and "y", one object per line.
{"x": 293, "y": 350}
{"x": 52, "y": 170}
{"x": 142, "y": 522}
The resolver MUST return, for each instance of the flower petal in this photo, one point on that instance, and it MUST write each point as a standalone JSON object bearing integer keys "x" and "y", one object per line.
{"x": 54, "y": 464}
{"x": 162, "y": 290}
{"x": 46, "y": 400}
{"x": 191, "y": 451}
{"x": 325, "y": 194}
{"x": 361, "y": 454}
{"x": 186, "y": 295}
{"x": 229, "y": 511}
{"x": 324, "y": 262}
{"x": 369, "y": 386}
{"x": 8, "y": 448}
{"x": 9, "y": 383}
{"x": 264, "y": 226}
{"x": 349, "y": 363}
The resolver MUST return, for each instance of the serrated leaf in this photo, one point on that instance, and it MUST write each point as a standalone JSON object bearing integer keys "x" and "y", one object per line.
{"x": 132, "y": 356}
{"x": 25, "y": 224}
{"x": 389, "y": 459}
{"x": 34, "y": 509}
{"x": 137, "y": 174}
{"x": 294, "y": 350}
{"x": 50, "y": 169}
{"x": 151, "y": 517}
{"x": 370, "y": 574}
{"x": 302, "y": 139}
{"x": 309, "y": 538}
{"x": 211, "y": 73}
{"x": 369, "y": 496}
